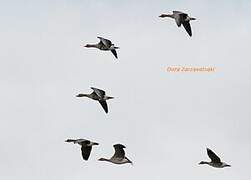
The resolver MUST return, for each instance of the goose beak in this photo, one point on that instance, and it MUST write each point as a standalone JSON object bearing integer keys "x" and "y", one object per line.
{"x": 163, "y": 15}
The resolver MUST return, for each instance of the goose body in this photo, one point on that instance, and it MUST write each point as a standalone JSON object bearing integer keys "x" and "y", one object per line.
{"x": 181, "y": 19}
{"x": 86, "y": 146}
{"x": 215, "y": 160}
{"x": 104, "y": 45}
{"x": 98, "y": 95}
{"x": 119, "y": 155}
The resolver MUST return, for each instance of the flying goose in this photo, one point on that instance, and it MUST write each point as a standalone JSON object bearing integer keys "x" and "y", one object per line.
{"x": 98, "y": 95}
{"x": 86, "y": 146}
{"x": 104, "y": 45}
{"x": 119, "y": 155}
{"x": 215, "y": 160}
{"x": 181, "y": 18}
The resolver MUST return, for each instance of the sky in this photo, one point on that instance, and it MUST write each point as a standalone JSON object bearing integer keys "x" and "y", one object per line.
{"x": 165, "y": 119}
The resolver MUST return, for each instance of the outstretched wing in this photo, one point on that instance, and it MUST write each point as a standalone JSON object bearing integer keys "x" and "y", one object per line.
{"x": 178, "y": 12}
{"x": 86, "y": 151}
{"x": 187, "y": 27}
{"x": 179, "y": 17}
{"x": 114, "y": 53}
{"x": 104, "y": 105}
{"x": 177, "y": 20}
{"x": 99, "y": 92}
{"x": 213, "y": 156}
{"x": 106, "y": 42}
{"x": 119, "y": 151}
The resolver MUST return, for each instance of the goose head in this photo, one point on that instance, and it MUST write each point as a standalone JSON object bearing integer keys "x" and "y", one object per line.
{"x": 103, "y": 159}
{"x": 203, "y": 162}
{"x": 165, "y": 15}
{"x": 90, "y": 45}
{"x": 82, "y": 95}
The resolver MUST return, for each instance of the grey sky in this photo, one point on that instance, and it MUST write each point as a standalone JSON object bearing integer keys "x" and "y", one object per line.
{"x": 166, "y": 120}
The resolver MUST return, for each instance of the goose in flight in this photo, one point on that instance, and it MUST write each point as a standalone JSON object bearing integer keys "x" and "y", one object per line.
{"x": 98, "y": 95}
{"x": 215, "y": 160}
{"x": 86, "y": 146}
{"x": 104, "y": 45}
{"x": 181, "y": 18}
{"x": 119, "y": 155}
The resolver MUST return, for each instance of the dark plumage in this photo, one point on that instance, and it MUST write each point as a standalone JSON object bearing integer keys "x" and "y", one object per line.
{"x": 118, "y": 156}
{"x": 215, "y": 160}
{"x": 104, "y": 45}
{"x": 98, "y": 95}
{"x": 86, "y": 146}
{"x": 181, "y": 18}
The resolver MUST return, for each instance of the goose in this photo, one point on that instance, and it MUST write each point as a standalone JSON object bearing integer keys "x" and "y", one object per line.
{"x": 98, "y": 95}
{"x": 86, "y": 146}
{"x": 181, "y": 18}
{"x": 104, "y": 45}
{"x": 119, "y": 155}
{"x": 215, "y": 160}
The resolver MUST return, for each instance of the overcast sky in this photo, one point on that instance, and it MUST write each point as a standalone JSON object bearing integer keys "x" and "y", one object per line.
{"x": 166, "y": 120}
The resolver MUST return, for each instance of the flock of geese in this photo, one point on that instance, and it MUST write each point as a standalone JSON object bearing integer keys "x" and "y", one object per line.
{"x": 99, "y": 95}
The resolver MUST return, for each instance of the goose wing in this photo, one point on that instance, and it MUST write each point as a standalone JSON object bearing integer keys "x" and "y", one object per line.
{"x": 86, "y": 151}
{"x": 104, "y": 105}
{"x": 114, "y": 53}
{"x": 119, "y": 151}
{"x": 106, "y": 42}
{"x": 187, "y": 27}
{"x": 82, "y": 141}
{"x": 178, "y": 19}
{"x": 213, "y": 156}
{"x": 99, "y": 92}
{"x": 178, "y": 12}
{"x": 71, "y": 140}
